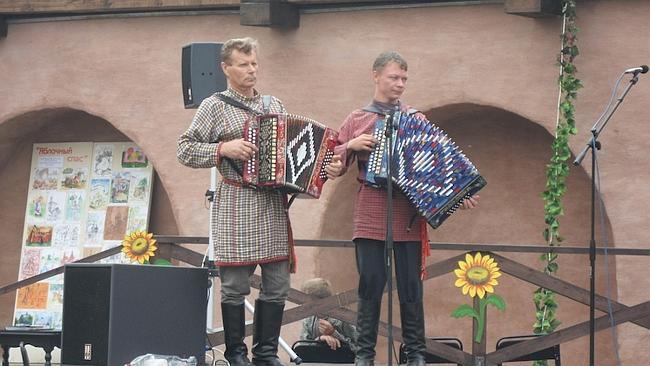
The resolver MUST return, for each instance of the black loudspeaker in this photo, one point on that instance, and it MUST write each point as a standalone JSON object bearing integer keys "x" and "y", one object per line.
{"x": 201, "y": 71}
{"x": 113, "y": 313}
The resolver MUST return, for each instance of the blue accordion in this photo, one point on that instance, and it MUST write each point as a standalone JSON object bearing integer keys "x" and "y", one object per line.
{"x": 426, "y": 166}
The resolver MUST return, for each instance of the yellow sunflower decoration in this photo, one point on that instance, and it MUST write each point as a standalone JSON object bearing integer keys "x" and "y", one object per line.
{"x": 139, "y": 246}
{"x": 477, "y": 275}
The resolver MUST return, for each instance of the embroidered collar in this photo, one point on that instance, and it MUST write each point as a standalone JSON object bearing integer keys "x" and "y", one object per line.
{"x": 386, "y": 107}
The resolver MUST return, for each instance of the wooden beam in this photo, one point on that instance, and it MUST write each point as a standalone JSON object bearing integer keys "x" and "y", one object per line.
{"x": 567, "y": 334}
{"x": 269, "y": 13}
{"x": 333, "y": 306}
{"x": 23, "y": 7}
{"x": 53, "y": 272}
{"x": 561, "y": 287}
{"x": 464, "y": 247}
{"x": 534, "y": 8}
{"x": 175, "y": 239}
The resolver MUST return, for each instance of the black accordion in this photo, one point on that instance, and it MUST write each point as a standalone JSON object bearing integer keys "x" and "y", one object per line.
{"x": 426, "y": 165}
{"x": 293, "y": 153}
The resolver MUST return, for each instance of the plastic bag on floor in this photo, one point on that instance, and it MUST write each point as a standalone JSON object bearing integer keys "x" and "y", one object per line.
{"x": 161, "y": 360}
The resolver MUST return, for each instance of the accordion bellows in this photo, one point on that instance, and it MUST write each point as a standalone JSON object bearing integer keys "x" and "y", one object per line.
{"x": 293, "y": 153}
{"x": 426, "y": 165}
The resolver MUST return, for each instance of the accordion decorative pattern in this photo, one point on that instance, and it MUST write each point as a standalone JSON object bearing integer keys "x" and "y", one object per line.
{"x": 293, "y": 153}
{"x": 426, "y": 165}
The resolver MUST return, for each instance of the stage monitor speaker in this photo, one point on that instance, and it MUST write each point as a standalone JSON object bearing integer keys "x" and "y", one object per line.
{"x": 113, "y": 313}
{"x": 201, "y": 72}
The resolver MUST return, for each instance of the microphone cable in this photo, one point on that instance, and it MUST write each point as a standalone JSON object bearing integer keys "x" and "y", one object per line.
{"x": 611, "y": 99}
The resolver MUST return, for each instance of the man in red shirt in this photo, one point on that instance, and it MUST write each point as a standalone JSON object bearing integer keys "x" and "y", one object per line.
{"x": 409, "y": 229}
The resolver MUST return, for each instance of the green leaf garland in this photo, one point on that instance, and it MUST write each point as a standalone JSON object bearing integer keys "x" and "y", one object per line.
{"x": 557, "y": 170}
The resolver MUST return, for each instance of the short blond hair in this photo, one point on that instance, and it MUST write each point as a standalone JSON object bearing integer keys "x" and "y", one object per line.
{"x": 387, "y": 57}
{"x": 318, "y": 287}
{"x": 244, "y": 45}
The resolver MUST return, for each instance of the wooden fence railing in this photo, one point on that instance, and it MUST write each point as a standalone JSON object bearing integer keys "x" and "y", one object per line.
{"x": 334, "y": 306}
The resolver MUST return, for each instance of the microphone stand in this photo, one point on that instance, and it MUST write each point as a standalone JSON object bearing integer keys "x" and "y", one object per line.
{"x": 388, "y": 253}
{"x": 593, "y": 144}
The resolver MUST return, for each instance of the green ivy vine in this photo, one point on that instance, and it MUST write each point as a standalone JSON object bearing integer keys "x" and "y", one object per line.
{"x": 558, "y": 170}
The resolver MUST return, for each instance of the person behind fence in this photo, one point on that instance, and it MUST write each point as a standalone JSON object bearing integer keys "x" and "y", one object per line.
{"x": 334, "y": 332}
{"x": 251, "y": 227}
{"x": 389, "y": 73}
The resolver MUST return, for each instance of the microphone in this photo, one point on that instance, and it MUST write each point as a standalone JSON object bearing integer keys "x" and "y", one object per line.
{"x": 635, "y": 70}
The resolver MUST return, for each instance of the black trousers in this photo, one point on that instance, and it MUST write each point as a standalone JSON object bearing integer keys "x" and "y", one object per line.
{"x": 372, "y": 271}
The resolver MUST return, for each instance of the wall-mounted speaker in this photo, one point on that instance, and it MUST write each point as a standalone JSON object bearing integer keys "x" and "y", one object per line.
{"x": 201, "y": 72}
{"x": 113, "y": 313}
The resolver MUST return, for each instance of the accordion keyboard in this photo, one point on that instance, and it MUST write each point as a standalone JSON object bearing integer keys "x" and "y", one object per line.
{"x": 427, "y": 167}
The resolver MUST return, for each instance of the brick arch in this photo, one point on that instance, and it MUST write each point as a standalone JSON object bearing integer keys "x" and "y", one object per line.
{"x": 16, "y": 138}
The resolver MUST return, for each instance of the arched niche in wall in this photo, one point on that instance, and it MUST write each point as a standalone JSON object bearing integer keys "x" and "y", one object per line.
{"x": 17, "y": 135}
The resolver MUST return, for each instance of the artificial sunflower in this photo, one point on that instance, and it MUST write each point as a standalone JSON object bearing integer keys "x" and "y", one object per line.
{"x": 139, "y": 246}
{"x": 477, "y": 275}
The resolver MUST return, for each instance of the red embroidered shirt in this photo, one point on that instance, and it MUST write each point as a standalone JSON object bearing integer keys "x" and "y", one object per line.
{"x": 370, "y": 206}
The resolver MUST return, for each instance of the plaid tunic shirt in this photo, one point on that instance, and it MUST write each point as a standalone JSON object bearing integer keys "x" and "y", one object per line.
{"x": 250, "y": 226}
{"x": 370, "y": 205}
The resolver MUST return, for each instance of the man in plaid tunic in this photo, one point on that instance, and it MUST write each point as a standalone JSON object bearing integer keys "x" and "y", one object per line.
{"x": 251, "y": 227}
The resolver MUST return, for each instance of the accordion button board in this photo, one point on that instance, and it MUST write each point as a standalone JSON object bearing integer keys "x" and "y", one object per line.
{"x": 293, "y": 153}
{"x": 426, "y": 165}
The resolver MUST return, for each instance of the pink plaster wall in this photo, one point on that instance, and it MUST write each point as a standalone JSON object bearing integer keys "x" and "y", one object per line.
{"x": 126, "y": 71}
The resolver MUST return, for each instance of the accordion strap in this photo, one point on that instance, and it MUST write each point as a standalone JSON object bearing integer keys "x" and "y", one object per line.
{"x": 235, "y": 103}
{"x": 293, "y": 259}
{"x": 266, "y": 104}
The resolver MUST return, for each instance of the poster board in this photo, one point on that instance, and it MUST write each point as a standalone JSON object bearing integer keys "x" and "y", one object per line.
{"x": 83, "y": 197}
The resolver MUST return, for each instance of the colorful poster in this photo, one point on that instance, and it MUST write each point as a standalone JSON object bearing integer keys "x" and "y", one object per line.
{"x": 115, "y": 224}
{"x": 103, "y": 160}
{"x": 55, "y": 206}
{"x": 66, "y": 235}
{"x": 33, "y": 296}
{"x": 99, "y": 194}
{"x": 137, "y": 219}
{"x": 133, "y": 157}
{"x": 83, "y": 198}
{"x": 74, "y": 178}
{"x": 139, "y": 191}
{"x": 45, "y": 178}
{"x": 74, "y": 204}
{"x": 120, "y": 188}
{"x": 31, "y": 262}
{"x": 95, "y": 227}
{"x": 55, "y": 297}
{"x": 39, "y": 236}
{"x": 37, "y": 205}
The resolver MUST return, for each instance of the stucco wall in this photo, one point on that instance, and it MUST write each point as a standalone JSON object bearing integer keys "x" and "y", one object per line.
{"x": 501, "y": 68}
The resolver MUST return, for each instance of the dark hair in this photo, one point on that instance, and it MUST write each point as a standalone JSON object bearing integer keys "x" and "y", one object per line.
{"x": 389, "y": 56}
